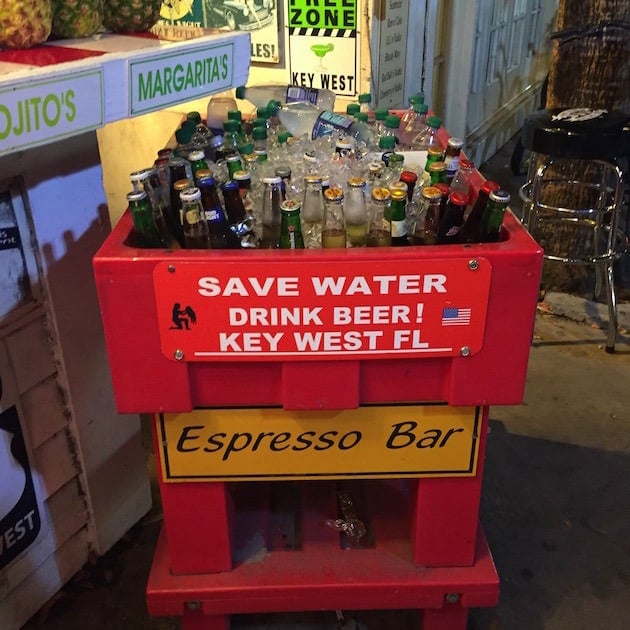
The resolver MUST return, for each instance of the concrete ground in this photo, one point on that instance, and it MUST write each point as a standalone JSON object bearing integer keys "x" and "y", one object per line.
{"x": 555, "y": 504}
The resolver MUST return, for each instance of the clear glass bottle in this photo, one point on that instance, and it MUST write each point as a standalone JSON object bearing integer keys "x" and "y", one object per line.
{"x": 196, "y": 233}
{"x": 417, "y": 120}
{"x": 379, "y": 232}
{"x": 312, "y": 212}
{"x": 426, "y": 227}
{"x": 380, "y": 114}
{"x": 271, "y": 216}
{"x": 462, "y": 182}
{"x": 451, "y": 157}
{"x": 355, "y": 212}
{"x": 334, "y": 224}
{"x": 414, "y": 99}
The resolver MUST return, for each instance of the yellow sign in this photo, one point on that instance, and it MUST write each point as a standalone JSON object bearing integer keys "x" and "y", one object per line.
{"x": 275, "y": 444}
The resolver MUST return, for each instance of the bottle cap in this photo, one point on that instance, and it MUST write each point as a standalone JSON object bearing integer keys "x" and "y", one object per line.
{"x": 455, "y": 143}
{"x": 356, "y": 182}
{"x": 206, "y": 181}
{"x": 443, "y": 188}
{"x": 435, "y": 167}
{"x": 241, "y": 176}
{"x": 290, "y": 205}
{"x": 230, "y": 125}
{"x": 334, "y": 193}
{"x": 392, "y": 121}
{"x": 259, "y": 121}
{"x": 189, "y": 124}
{"x": 190, "y": 194}
{"x": 387, "y": 142}
{"x": 233, "y": 158}
{"x": 194, "y": 116}
{"x": 202, "y": 173}
{"x": 235, "y": 114}
{"x": 182, "y": 184}
{"x": 466, "y": 163}
{"x": 379, "y": 193}
{"x": 272, "y": 180}
{"x": 193, "y": 156}
{"x": 273, "y": 106}
{"x": 352, "y": 109}
{"x": 409, "y": 177}
{"x": 365, "y": 98}
{"x": 139, "y": 176}
{"x": 398, "y": 194}
{"x": 311, "y": 178}
{"x": 500, "y": 196}
{"x": 345, "y": 143}
{"x": 375, "y": 167}
{"x": 434, "y": 121}
{"x": 183, "y": 135}
{"x": 136, "y": 196}
{"x": 240, "y": 92}
{"x": 284, "y": 136}
{"x": 434, "y": 151}
{"x": 488, "y": 186}
{"x": 229, "y": 185}
{"x": 424, "y": 108}
{"x": 381, "y": 113}
{"x": 259, "y": 133}
{"x": 399, "y": 185}
{"x": 396, "y": 158}
{"x": 432, "y": 193}
{"x": 361, "y": 116}
{"x": 458, "y": 199}
{"x": 418, "y": 98}
{"x": 246, "y": 149}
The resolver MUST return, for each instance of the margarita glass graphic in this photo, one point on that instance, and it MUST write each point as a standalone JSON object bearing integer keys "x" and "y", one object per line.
{"x": 321, "y": 50}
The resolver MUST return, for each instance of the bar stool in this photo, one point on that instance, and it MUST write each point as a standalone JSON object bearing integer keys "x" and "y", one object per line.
{"x": 573, "y": 195}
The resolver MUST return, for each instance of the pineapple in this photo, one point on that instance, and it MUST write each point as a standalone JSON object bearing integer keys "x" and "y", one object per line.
{"x": 24, "y": 23}
{"x": 76, "y": 18}
{"x": 122, "y": 16}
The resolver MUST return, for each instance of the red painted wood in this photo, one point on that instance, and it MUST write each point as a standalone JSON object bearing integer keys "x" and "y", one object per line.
{"x": 325, "y": 577}
{"x": 445, "y": 513}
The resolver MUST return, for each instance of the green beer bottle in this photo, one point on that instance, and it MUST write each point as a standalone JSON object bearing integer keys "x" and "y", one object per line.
{"x": 144, "y": 227}
{"x": 492, "y": 219}
{"x": 290, "y": 226}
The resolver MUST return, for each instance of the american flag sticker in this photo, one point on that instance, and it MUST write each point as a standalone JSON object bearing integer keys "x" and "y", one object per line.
{"x": 453, "y": 316}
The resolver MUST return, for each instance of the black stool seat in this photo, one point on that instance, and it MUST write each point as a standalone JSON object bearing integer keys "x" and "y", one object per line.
{"x": 577, "y": 133}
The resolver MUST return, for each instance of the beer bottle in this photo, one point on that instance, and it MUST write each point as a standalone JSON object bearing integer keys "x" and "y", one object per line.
{"x": 284, "y": 173}
{"x": 410, "y": 178}
{"x": 437, "y": 171}
{"x": 234, "y": 163}
{"x": 399, "y": 217}
{"x": 334, "y": 224}
{"x": 219, "y": 232}
{"x": 492, "y": 219}
{"x": 175, "y": 220}
{"x": 434, "y": 154}
{"x": 379, "y": 233}
{"x": 271, "y": 215}
{"x": 290, "y": 225}
{"x": 241, "y": 221}
{"x": 146, "y": 233}
{"x": 196, "y": 235}
{"x": 197, "y": 161}
{"x": 470, "y": 232}
{"x": 355, "y": 212}
{"x": 451, "y": 158}
{"x": 451, "y": 221}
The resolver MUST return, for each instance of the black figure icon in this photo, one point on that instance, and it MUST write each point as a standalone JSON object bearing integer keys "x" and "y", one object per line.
{"x": 182, "y": 317}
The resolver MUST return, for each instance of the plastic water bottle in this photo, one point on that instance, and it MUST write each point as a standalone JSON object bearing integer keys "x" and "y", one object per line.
{"x": 304, "y": 119}
{"x": 260, "y": 95}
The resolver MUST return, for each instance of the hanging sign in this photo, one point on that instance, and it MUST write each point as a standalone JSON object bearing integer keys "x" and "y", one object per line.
{"x": 274, "y": 444}
{"x": 301, "y": 309}
{"x": 323, "y": 44}
{"x": 165, "y": 79}
{"x": 37, "y": 112}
